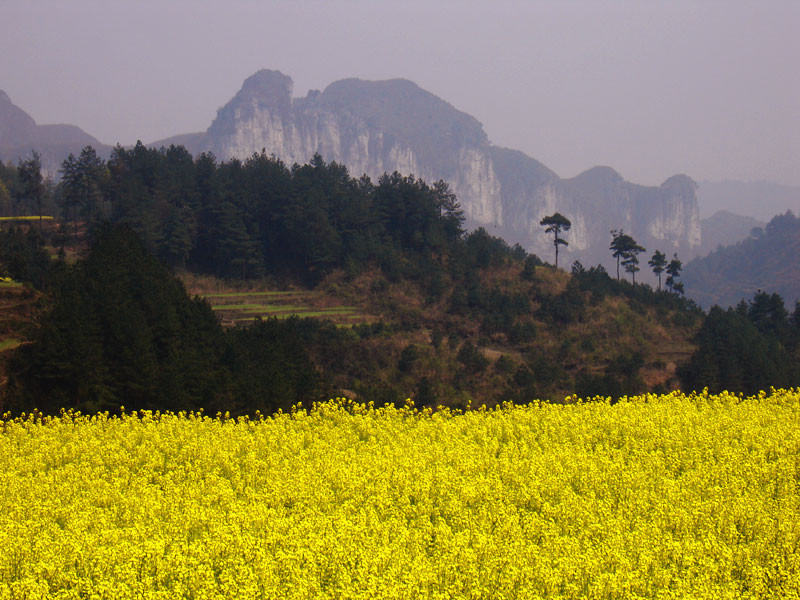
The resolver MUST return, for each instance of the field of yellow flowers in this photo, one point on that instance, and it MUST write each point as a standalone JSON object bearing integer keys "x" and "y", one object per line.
{"x": 676, "y": 496}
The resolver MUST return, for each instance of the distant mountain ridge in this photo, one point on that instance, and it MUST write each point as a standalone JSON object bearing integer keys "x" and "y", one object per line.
{"x": 374, "y": 127}
{"x": 764, "y": 261}
{"x": 20, "y": 135}
{"x": 760, "y": 200}
{"x": 725, "y": 228}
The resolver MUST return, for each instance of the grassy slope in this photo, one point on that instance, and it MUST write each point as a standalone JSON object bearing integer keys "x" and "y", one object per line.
{"x": 588, "y": 345}
{"x": 615, "y": 326}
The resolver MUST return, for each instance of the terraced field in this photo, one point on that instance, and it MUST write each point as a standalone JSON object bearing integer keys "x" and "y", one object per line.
{"x": 243, "y": 307}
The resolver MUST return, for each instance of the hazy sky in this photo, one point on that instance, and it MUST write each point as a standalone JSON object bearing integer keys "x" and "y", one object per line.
{"x": 710, "y": 89}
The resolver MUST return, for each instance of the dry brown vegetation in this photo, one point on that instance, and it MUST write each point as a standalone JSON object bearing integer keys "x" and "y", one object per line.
{"x": 586, "y": 346}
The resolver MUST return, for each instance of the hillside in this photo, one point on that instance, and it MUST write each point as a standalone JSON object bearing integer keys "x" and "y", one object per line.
{"x": 18, "y": 311}
{"x": 725, "y": 228}
{"x": 505, "y": 337}
{"x": 513, "y": 329}
{"x": 493, "y": 325}
{"x": 766, "y": 261}
{"x": 403, "y": 302}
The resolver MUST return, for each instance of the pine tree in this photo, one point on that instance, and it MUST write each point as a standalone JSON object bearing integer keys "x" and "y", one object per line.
{"x": 658, "y": 262}
{"x": 631, "y": 264}
{"x": 82, "y": 186}
{"x": 624, "y": 248}
{"x": 555, "y": 224}
{"x": 674, "y": 271}
{"x": 32, "y": 182}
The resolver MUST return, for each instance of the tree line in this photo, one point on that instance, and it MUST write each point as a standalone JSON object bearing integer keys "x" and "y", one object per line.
{"x": 24, "y": 190}
{"x": 624, "y": 249}
{"x": 747, "y": 348}
{"x": 246, "y": 219}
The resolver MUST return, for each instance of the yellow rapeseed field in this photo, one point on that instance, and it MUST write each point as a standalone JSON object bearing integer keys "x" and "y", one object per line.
{"x": 676, "y": 496}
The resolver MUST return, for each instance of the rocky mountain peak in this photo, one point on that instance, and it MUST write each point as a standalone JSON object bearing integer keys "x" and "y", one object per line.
{"x": 265, "y": 90}
{"x": 373, "y": 127}
{"x": 16, "y": 126}
{"x": 403, "y": 109}
{"x": 680, "y": 183}
{"x": 267, "y": 87}
{"x": 599, "y": 175}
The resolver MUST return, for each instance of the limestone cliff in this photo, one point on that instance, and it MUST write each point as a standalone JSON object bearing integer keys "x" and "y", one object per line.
{"x": 375, "y": 127}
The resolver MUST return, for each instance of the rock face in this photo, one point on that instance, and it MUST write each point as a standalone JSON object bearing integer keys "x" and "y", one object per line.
{"x": 20, "y": 135}
{"x": 374, "y": 127}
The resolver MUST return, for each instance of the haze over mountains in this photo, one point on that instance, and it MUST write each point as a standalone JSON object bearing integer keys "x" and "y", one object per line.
{"x": 765, "y": 261}
{"x": 760, "y": 200}
{"x": 381, "y": 126}
{"x": 19, "y": 135}
{"x": 725, "y": 228}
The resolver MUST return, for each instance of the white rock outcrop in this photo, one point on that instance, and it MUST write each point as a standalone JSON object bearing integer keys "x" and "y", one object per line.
{"x": 386, "y": 126}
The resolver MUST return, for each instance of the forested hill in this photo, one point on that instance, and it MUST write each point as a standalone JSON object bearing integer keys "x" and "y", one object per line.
{"x": 492, "y": 326}
{"x": 456, "y": 318}
{"x": 767, "y": 260}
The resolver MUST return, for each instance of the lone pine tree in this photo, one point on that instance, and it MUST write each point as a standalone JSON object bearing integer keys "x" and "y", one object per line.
{"x": 555, "y": 224}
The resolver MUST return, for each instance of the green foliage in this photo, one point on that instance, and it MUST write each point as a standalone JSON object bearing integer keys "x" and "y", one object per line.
{"x": 619, "y": 378}
{"x": 766, "y": 260}
{"x": 23, "y": 257}
{"x": 83, "y": 188}
{"x": 555, "y": 224}
{"x": 746, "y": 349}
{"x": 658, "y": 262}
{"x": 9, "y": 182}
{"x": 270, "y": 367}
{"x": 674, "y": 271}
{"x": 625, "y": 249}
{"x": 599, "y": 284}
{"x": 768, "y": 313}
{"x": 121, "y": 331}
{"x": 504, "y": 365}
{"x": 408, "y": 357}
{"x": 529, "y": 267}
{"x": 523, "y": 387}
{"x": 472, "y": 358}
{"x": 244, "y": 219}
{"x": 547, "y": 368}
{"x": 564, "y": 308}
{"x": 31, "y": 181}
